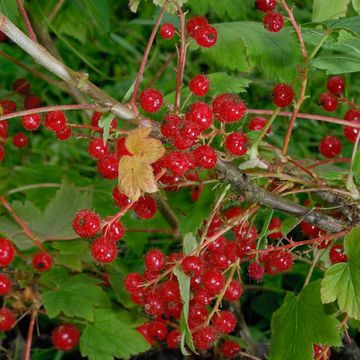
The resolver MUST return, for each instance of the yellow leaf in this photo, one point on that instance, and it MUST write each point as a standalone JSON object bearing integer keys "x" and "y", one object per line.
{"x": 140, "y": 143}
{"x": 136, "y": 177}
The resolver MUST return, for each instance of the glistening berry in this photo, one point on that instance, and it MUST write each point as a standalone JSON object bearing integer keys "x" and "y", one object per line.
{"x": 31, "y": 122}
{"x": 64, "y": 134}
{"x": 157, "y": 329}
{"x": 86, "y": 223}
{"x": 133, "y": 281}
{"x": 167, "y": 31}
{"x": 236, "y": 143}
{"x": 283, "y": 95}
{"x": 173, "y": 339}
{"x": 5, "y": 284}
{"x": 199, "y": 85}
{"x": 32, "y": 101}
{"x": 151, "y": 100}
{"x": 321, "y": 352}
{"x": 55, "y": 121}
{"x": 192, "y": 265}
{"x": 273, "y": 21}
{"x": 228, "y": 108}
{"x": 7, "y": 319}
{"x": 201, "y": 114}
{"x": 155, "y": 260}
{"x": 330, "y": 146}
{"x": 336, "y": 85}
{"x": 234, "y": 291}
{"x": 309, "y": 229}
{"x": 266, "y": 5}
{"x": 350, "y": 132}
{"x": 170, "y": 127}
{"x": 256, "y": 271}
{"x": 42, "y": 261}
{"x": 213, "y": 281}
{"x": 20, "y": 140}
{"x": 205, "y": 156}
{"x": 7, "y": 252}
{"x": 337, "y": 254}
{"x": 275, "y": 228}
{"x": 206, "y": 36}
{"x": 177, "y": 162}
{"x": 120, "y": 199}
{"x": 195, "y": 23}
{"x": 329, "y": 102}
{"x": 7, "y": 106}
{"x": 108, "y": 166}
{"x": 115, "y": 231}
{"x": 103, "y": 250}
{"x": 258, "y": 123}
{"x": 224, "y": 322}
{"x": 145, "y": 207}
{"x": 65, "y": 337}
{"x": 97, "y": 149}
{"x": 230, "y": 349}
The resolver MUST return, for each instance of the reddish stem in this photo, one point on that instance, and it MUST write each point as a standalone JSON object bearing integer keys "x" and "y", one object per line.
{"x": 329, "y": 161}
{"x": 29, "y": 28}
{"x": 22, "y": 224}
{"x": 30, "y": 336}
{"x": 144, "y": 61}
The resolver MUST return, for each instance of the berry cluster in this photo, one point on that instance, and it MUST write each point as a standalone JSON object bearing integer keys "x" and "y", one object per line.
{"x": 201, "y": 31}
{"x": 273, "y": 21}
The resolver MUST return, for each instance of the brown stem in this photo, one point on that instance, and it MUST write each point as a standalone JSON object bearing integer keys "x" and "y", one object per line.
{"x": 56, "y": 9}
{"x": 26, "y": 20}
{"x": 21, "y": 223}
{"x": 168, "y": 213}
{"x": 30, "y": 336}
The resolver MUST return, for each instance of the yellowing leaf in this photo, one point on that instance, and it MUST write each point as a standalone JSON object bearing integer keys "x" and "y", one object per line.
{"x": 136, "y": 177}
{"x": 140, "y": 143}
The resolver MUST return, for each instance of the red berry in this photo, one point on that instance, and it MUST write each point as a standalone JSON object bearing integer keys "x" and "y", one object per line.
{"x": 205, "y": 156}
{"x": 21, "y": 86}
{"x": 336, "y": 85}
{"x": 200, "y": 85}
{"x": 173, "y": 339}
{"x": 5, "y": 284}
{"x": 86, "y": 223}
{"x": 55, "y": 121}
{"x": 273, "y": 21}
{"x": 3, "y": 37}
{"x": 97, "y": 149}
{"x": 200, "y": 114}
{"x": 234, "y": 291}
{"x": 283, "y": 95}
{"x": 32, "y": 101}
{"x": 2, "y": 153}
{"x": 187, "y": 136}
{"x": 230, "y": 349}
{"x": 192, "y": 265}
{"x": 63, "y": 134}
{"x": 20, "y": 140}
{"x": 96, "y": 118}
{"x": 236, "y": 143}
{"x": 330, "y": 146}
{"x": 133, "y": 281}
{"x": 31, "y": 122}
{"x": 206, "y": 36}
{"x": 153, "y": 304}
{"x": 213, "y": 281}
{"x": 7, "y": 252}
{"x": 266, "y": 5}
{"x": 256, "y": 271}
{"x": 145, "y": 207}
{"x": 228, "y": 108}
{"x": 258, "y": 123}
{"x": 329, "y": 102}
{"x": 195, "y": 23}
{"x": 321, "y": 352}
{"x": 157, "y": 329}
{"x": 350, "y": 133}
{"x": 177, "y": 162}
{"x": 278, "y": 262}
{"x": 167, "y": 31}
{"x": 309, "y": 229}
{"x": 120, "y": 199}
{"x": 121, "y": 149}
{"x": 151, "y": 100}
{"x": 169, "y": 291}
{"x": 65, "y": 337}
{"x": 7, "y": 106}
{"x": 275, "y": 228}
{"x": 337, "y": 254}
{"x": 108, "y": 166}
{"x": 7, "y": 319}
{"x": 217, "y": 245}
{"x": 202, "y": 297}
{"x": 103, "y": 250}
{"x": 171, "y": 126}
{"x": 224, "y": 322}
{"x": 155, "y": 260}
{"x": 143, "y": 330}
{"x": 205, "y": 335}
{"x": 4, "y": 129}
{"x": 42, "y": 261}
{"x": 233, "y": 212}
{"x": 115, "y": 231}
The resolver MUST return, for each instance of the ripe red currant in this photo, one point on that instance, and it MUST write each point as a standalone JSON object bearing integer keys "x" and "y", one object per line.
{"x": 224, "y": 322}
{"x": 55, "y": 121}
{"x": 173, "y": 339}
{"x": 20, "y": 140}
{"x": 21, "y": 86}
{"x": 115, "y": 231}
{"x": 266, "y": 5}
{"x": 144, "y": 331}
{"x": 228, "y": 108}
{"x": 151, "y": 100}
{"x": 157, "y": 329}
{"x": 5, "y": 284}
{"x": 103, "y": 250}
{"x": 7, "y": 106}
{"x": 200, "y": 114}
{"x": 42, "y": 261}
{"x": 177, "y": 162}
{"x": 321, "y": 352}
{"x": 97, "y": 149}
{"x": 256, "y": 271}
{"x": 171, "y": 126}
{"x": 195, "y": 23}
{"x": 133, "y": 281}
{"x": 205, "y": 337}
{"x": 155, "y": 260}
{"x": 120, "y": 199}
{"x": 192, "y": 265}
{"x": 234, "y": 291}
{"x": 108, "y": 166}
{"x": 283, "y": 95}
{"x": 336, "y": 85}
{"x": 7, "y": 319}
{"x": 273, "y": 21}
{"x": 206, "y": 36}
{"x": 121, "y": 149}
{"x": 213, "y": 281}
{"x": 329, "y": 102}
{"x": 350, "y": 133}
{"x": 86, "y": 223}
{"x": 236, "y": 143}
{"x": 7, "y": 252}
{"x": 230, "y": 349}
{"x": 63, "y": 134}
{"x": 153, "y": 304}
{"x": 65, "y": 337}
{"x": 145, "y": 207}
{"x": 4, "y": 126}
{"x": 337, "y": 254}
{"x": 169, "y": 291}
{"x": 32, "y": 101}
{"x": 330, "y": 146}
{"x": 31, "y": 122}
{"x": 205, "y": 156}
{"x": 278, "y": 262}
{"x": 275, "y": 228}
{"x": 258, "y": 123}
{"x": 167, "y": 31}
{"x": 199, "y": 85}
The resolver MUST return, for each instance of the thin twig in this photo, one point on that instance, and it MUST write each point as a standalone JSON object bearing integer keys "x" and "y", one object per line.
{"x": 26, "y": 20}
{"x": 55, "y": 10}
{"x": 30, "y": 336}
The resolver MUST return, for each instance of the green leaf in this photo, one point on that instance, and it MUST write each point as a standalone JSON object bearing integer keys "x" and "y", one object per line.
{"x": 299, "y": 323}
{"x": 342, "y": 281}
{"x": 190, "y": 243}
{"x": 288, "y": 224}
{"x": 356, "y": 5}
{"x": 72, "y": 295}
{"x": 171, "y": 7}
{"x": 325, "y": 9}
{"x": 203, "y": 207}
{"x": 9, "y": 9}
{"x": 351, "y": 24}
{"x": 223, "y": 83}
{"x": 264, "y": 230}
{"x": 105, "y": 123}
{"x": 356, "y": 167}
{"x": 245, "y": 45}
{"x": 109, "y": 336}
